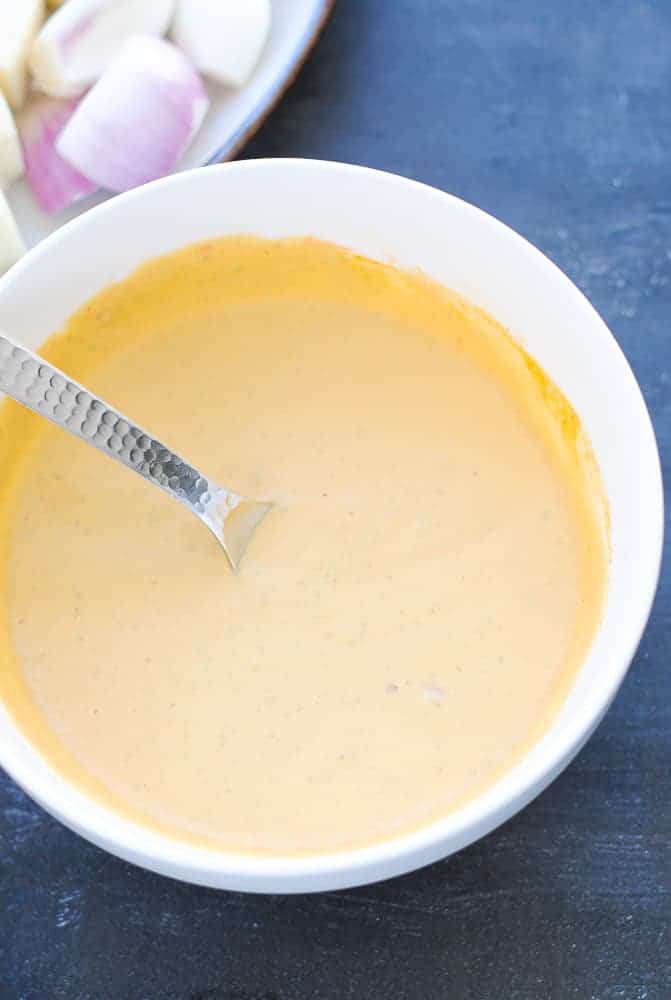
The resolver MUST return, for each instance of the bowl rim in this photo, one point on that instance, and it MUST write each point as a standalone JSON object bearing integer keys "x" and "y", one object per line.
{"x": 514, "y": 789}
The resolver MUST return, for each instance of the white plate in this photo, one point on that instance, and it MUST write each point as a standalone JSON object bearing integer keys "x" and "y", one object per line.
{"x": 233, "y": 117}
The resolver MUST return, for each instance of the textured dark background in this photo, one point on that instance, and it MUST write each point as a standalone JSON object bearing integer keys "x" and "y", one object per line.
{"x": 554, "y": 115}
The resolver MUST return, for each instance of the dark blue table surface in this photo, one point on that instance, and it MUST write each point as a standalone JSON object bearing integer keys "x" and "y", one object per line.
{"x": 556, "y": 117}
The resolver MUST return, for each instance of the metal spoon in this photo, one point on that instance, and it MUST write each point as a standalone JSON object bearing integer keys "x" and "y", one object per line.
{"x": 27, "y": 378}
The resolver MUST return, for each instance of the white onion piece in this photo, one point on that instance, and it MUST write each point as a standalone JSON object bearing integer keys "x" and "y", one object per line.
{"x": 11, "y": 244}
{"x": 138, "y": 119}
{"x": 223, "y": 38}
{"x": 79, "y": 40}
{"x": 53, "y": 181}
{"x": 11, "y": 157}
{"x": 19, "y": 22}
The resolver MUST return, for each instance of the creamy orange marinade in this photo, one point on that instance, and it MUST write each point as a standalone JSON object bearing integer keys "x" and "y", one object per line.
{"x": 403, "y": 626}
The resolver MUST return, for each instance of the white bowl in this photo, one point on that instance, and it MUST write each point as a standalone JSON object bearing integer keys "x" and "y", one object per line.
{"x": 387, "y": 218}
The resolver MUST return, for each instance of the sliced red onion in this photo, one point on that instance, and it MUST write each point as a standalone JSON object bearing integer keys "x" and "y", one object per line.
{"x": 11, "y": 244}
{"x": 80, "y": 39}
{"x": 20, "y": 21}
{"x": 54, "y": 182}
{"x": 138, "y": 119}
{"x": 11, "y": 157}
{"x": 223, "y": 38}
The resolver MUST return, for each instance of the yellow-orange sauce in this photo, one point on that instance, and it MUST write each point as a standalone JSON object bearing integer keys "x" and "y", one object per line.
{"x": 404, "y": 625}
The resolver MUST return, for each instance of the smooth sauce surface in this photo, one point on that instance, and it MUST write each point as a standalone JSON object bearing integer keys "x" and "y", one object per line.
{"x": 402, "y": 628}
